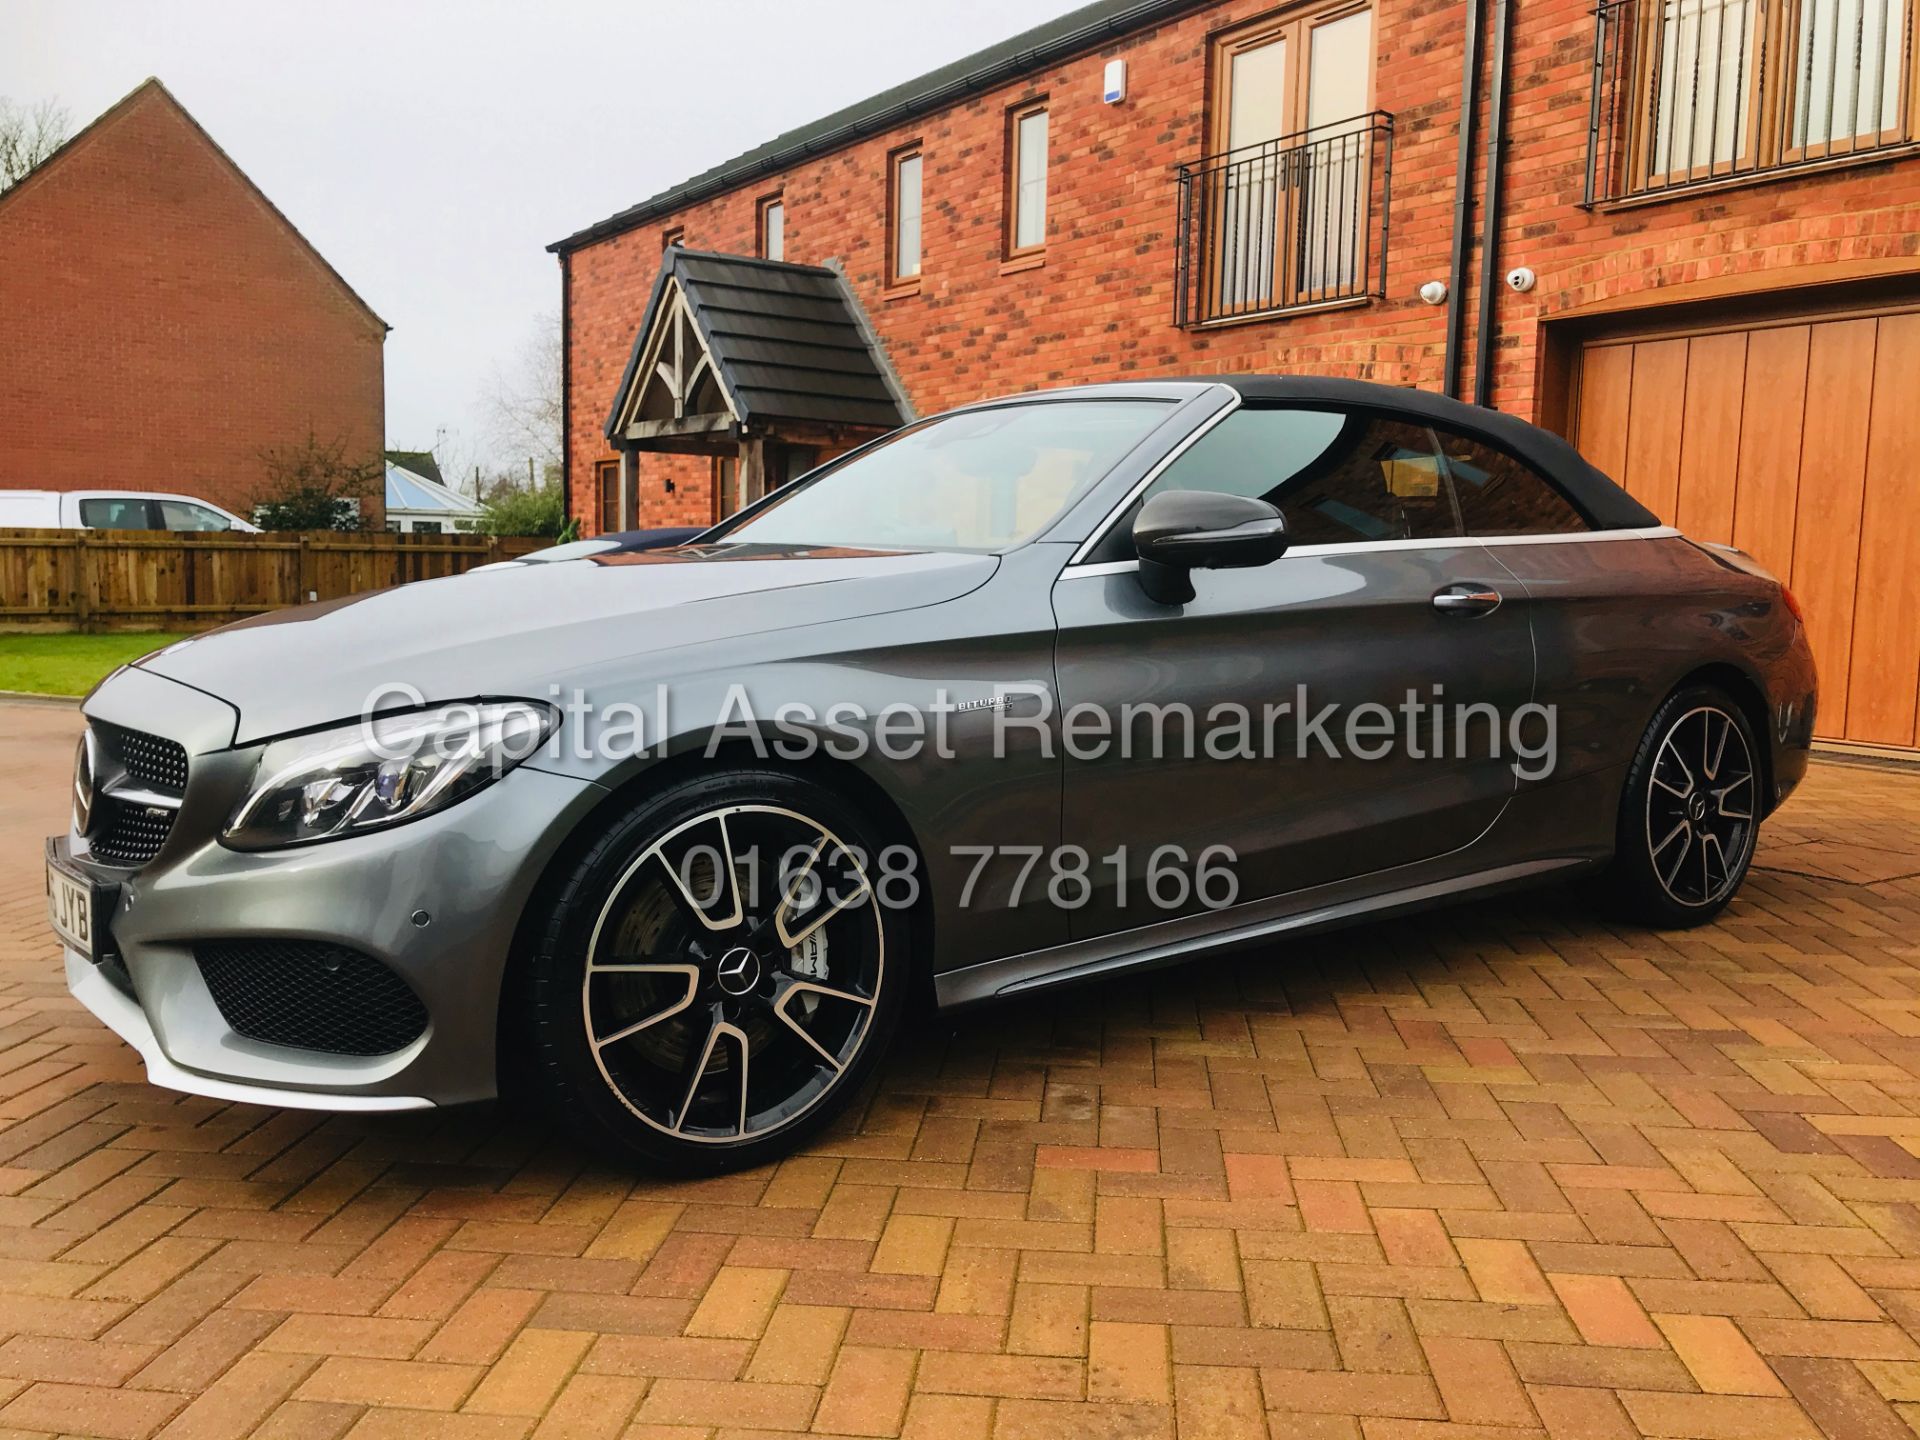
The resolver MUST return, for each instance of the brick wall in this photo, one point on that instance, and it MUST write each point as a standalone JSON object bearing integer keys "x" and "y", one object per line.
{"x": 162, "y": 324}
{"x": 1101, "y": 306}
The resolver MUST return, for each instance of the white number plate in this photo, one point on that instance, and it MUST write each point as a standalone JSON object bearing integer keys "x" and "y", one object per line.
{"x": 70, "y": 908}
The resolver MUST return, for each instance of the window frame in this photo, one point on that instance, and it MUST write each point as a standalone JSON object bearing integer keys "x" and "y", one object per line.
{"x": 764, "y": 209}
{"x": 1443, "y": 433}
{"x": 1905, "y": 87}
{"x": 147, "y": 504}
{"x": 1111, "y": 541}
{"x": 896, "y": 278}
{"x": 1012, "y": 251}
{"x": 605, "y": 471}
{"x": 194, "y": 505}
{"x": 1649, "y": 50}
{"x": 1296, "y": 26}
{"x": 1351, "y": 464}
{"x": 1771, "y": 81}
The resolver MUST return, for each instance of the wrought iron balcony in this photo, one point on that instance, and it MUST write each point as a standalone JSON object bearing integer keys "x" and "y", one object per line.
{"x": 1689, "y": 93}
{"x": 1289, "y": 224}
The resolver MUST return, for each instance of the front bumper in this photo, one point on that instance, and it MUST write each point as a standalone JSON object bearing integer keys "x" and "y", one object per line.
{"x": 122, "y": 1014}
{"x": 436, "y": 901}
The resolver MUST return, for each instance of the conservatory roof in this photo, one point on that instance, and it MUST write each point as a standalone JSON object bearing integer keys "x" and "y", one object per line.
{"x": 411, "y": 492}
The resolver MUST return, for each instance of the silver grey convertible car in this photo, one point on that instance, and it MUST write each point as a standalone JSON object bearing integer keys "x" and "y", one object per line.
{"x": 1036, "y": 691}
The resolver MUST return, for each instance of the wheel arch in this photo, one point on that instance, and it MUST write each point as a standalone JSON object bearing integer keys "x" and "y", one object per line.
{"x": 1745, "y": 691}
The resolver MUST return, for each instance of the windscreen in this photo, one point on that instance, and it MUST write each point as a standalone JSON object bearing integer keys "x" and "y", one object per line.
{"x": 980, "y": 480}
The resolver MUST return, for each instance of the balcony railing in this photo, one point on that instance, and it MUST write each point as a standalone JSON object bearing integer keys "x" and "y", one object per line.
{"x": 1289, "y": 224}
{"x": 1699, "y": 92}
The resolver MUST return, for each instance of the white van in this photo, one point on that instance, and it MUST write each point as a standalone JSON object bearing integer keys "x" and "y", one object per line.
{"x": 113, "y": 510}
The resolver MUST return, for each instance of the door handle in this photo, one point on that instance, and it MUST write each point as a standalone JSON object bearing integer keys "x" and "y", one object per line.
{"x": 1466, "y": 600}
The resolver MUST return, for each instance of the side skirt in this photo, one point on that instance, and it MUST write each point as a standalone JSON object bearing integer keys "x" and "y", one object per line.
{"x": 1214, "y": 932}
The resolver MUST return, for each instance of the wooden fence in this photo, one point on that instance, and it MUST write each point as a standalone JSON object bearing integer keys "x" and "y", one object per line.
{"x": 97, "y": 580}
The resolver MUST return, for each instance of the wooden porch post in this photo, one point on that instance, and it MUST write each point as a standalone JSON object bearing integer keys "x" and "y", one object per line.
{"x": 753, "y": 468}
{"x": 629, "y": 488}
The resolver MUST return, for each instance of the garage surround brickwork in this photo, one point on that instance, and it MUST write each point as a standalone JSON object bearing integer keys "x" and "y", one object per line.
{"x": 1101, "y": 305}
{"x": 165, "y": 324}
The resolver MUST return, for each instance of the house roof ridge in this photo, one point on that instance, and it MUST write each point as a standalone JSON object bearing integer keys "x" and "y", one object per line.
{"x": 154, "y": 84}
{"x": 1057, "y": 39}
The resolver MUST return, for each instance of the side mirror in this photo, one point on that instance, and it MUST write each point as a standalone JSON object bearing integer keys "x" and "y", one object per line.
{"x": 1178, "y": 531}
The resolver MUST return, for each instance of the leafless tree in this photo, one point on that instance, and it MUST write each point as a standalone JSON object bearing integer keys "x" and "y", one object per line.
{"x": 522, "y": 401}
{"x": 28, "y": 135}
{"x": 459, "y": 458}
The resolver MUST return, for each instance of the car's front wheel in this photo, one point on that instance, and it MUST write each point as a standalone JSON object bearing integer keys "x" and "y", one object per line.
{"x": 1689, "y": 813}
{"x": 718, "y": 973}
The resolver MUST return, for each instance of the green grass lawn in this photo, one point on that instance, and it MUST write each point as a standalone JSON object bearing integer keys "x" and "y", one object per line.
{"x": 68, "y": 664}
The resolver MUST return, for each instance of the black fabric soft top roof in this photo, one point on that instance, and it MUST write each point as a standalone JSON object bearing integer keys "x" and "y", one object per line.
{"x": 1602, "y": 500}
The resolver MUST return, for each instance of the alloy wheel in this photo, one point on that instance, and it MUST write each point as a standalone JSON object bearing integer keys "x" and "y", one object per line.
{"x": 732, "y": 974}
{"x": 1700, "y": 807}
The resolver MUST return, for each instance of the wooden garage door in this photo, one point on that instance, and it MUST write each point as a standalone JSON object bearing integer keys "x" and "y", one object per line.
{"x": 1798, "y": 441}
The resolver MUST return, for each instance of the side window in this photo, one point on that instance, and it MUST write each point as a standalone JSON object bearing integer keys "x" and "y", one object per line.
{"x": 1338, "y": 476}
{"x": 1498, "y": 495}
{"x": 180, "y": 515}
{"x": 119, "y": 512}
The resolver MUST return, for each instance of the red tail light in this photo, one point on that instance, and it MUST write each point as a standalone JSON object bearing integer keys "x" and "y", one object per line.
{"x": 1792, "y": 604}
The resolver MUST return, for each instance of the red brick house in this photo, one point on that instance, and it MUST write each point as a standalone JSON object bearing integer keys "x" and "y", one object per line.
{"x": 1710, "y": 211}
{"x": 163, "y": 323}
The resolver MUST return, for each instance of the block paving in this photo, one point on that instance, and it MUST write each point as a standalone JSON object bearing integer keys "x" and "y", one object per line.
{"x": 1491, "y": 1173}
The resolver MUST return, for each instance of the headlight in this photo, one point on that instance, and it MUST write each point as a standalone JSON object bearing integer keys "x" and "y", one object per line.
{"x": 379, "y": 772}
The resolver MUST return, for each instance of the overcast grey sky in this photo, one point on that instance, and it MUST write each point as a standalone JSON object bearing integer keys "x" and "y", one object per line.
{"x": 431, "y": 149}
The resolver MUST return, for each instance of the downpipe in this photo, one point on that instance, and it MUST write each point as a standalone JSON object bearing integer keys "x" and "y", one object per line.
{"x": 1462, "y": 200}
{"x": 1491, "y": 205}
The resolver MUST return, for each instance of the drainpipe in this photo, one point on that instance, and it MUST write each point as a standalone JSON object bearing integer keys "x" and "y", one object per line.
{"x": 566, "y": 386}
{"x": 1490, "y": 208}
{"x": 1462, "y": 199}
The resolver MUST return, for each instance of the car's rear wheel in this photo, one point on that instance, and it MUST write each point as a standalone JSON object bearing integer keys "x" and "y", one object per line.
{"x": 718, "y": 973}
{"x": 1689, "y": 813}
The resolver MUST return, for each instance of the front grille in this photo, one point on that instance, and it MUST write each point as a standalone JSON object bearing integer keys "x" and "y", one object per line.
{"x": 129, "y": 830}
{"x": 311, "y": 995}
{"x": 131, "y": 834}
{"x": 150, "y": 759}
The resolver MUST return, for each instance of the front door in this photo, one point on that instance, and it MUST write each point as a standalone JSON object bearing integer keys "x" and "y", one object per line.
{"x": 1355, "y": 756}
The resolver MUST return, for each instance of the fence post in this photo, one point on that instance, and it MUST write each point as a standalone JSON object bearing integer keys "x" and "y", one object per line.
{"x": 300, "y": 571}
{"x": 83, "y": 583}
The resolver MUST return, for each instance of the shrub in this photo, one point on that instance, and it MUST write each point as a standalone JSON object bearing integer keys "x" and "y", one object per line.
{"x": 527, "y": 512}
{"x": 314, "y": 485}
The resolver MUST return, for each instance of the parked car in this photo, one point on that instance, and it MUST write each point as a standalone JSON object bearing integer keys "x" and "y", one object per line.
{"x": 114, "y": 510}
{"x": 697, "y": 944}
{"x": 660, "y": 538}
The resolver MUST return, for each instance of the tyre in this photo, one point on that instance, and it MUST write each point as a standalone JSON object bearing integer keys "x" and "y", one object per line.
{"x": 1689, "y": 813}
{"x": 718, "y": 973}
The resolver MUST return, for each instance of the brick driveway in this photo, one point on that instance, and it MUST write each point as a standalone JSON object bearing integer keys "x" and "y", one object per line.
{"x": 1488, "y": 1173}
